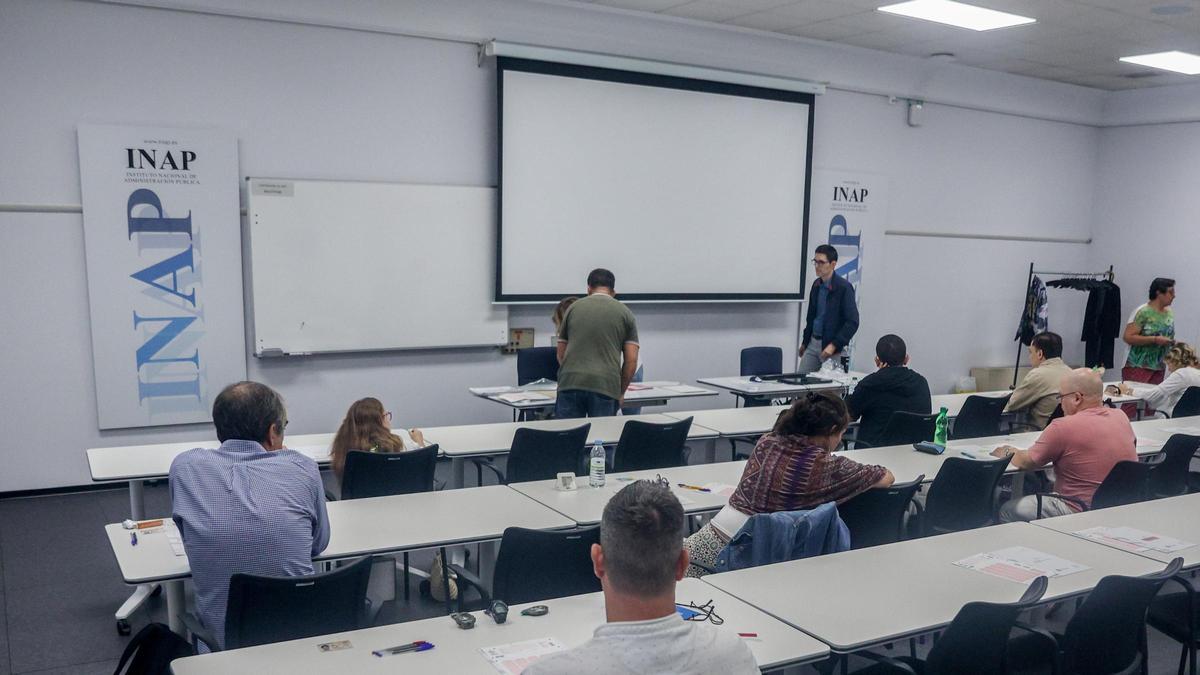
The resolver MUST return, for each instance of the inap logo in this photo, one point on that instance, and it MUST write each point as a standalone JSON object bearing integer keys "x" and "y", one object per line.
{"x": 842, "y": 193}
{"x": 849, "y": 248}
{"x": 171, "y": 311}
{"x": 162, "y": 160}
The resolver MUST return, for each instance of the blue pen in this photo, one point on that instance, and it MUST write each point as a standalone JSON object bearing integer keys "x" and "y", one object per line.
{"x": 418, "y": 646}
{"x": 133, "y": 538}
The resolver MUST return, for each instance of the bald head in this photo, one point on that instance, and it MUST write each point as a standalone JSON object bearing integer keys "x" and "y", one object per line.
{"x": 1081, "y": 388}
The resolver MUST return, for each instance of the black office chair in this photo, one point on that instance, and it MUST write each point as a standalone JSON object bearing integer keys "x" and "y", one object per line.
{"x": 1169, "y": 477}
{"x": 377, "y": 474}
{"x": 979, "y": 417}
{"x": 962, "y": 496}
{"x": 266, "y": 609}
{"x": 975, "y": 642}
{"x": 1177, "y": 615}
{"x": 374, "y": 474}
{"x": 756, "y": 361}
{"x": 876, "y": 516}
{"x": 541, "y": 455}
{"x": 536, "y": 363}
{"x": 1189, "y": 403}
{"x": 903, "y": 428}
{"x": 1128, "y": 482}
{"x": 1107, "y": 634}
{"x": 1058, "y": 412}
{"x": 646, "y": 445}
{"x": 537, "y": 565}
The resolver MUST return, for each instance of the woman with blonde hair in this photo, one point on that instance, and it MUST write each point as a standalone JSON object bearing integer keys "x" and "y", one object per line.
{"x": 1183, "y": 368}
{"x": 368, "y": 427}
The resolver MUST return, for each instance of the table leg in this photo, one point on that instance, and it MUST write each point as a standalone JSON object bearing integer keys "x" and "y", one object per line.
{"x": 487, "y": 562}
{"x": 710, "y": 451}
{"x": 142, "y": 593}
{"x": 175, "y": 605}
{"x": 458, "y": 468}
{"x": 137, "y": 500}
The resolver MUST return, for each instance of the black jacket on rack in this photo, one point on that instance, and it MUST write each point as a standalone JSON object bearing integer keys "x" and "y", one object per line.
{"x": 1101, "y": 324}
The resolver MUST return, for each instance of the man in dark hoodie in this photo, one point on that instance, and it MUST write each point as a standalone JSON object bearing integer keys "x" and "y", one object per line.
{"x": 891, "y": 388}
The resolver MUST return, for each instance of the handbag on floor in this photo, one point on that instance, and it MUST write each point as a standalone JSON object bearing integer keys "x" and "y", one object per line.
{"x": 151, "y": 651}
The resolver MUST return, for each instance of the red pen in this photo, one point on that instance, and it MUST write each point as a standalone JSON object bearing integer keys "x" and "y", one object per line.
{"x": 748, "y": 635}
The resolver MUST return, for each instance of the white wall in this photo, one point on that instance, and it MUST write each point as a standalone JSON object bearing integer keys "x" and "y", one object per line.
{"x": 321, "y": 102}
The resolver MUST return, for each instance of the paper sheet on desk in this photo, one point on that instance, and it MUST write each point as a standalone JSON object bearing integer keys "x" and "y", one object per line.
{"x": 174, "y": 539}
{"x": 522, "y": 396}
{"x": 515, "y": 657}
{"x": 489, "y": 391}
{"x": 1133, "y": 540}
{"x": 316, "y": 452}
{"x": 685, "y": 389}
{"x": 975, "y": 451}
{"x": 1020, "y": 564}
{"x": 722, "y": 489}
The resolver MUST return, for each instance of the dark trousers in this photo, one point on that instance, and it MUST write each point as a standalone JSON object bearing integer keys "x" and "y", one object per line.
{"x": 579, "y": 403}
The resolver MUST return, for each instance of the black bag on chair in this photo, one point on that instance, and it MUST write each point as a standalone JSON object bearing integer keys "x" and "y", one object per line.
{"x": 151, "y": 651}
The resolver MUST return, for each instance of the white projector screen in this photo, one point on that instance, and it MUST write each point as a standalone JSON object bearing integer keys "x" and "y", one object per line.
{"x": 685, "y": 189}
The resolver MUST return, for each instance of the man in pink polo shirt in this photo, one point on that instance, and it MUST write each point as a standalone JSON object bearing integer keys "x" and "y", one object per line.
{"x": 1083, "y": 445}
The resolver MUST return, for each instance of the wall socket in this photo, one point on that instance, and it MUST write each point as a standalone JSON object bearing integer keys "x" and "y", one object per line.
{"x": 518, "y": 338}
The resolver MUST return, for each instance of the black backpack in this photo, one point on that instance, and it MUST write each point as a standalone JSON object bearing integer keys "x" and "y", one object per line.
{"x": 152, "y": 650}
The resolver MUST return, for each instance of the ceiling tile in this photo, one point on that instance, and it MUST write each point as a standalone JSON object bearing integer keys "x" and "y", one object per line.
{"x": 882, "y": 40}
{"x": 825, "y": 30}
{"x": 704, "y": 10}
{"x": 641, "y": 5}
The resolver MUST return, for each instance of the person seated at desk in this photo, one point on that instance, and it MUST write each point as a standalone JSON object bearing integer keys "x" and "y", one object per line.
{"x": 894, "y": 387}
{"x": 1084, "y": 445}
{"x": 368, "y": 427}
{"x": 249, "y": 506}
{"x": 638, "y": 560}
{"x": 790, "y": 469}
{"x": 1184, "y": 371}
{"x": 1038, "y": 392}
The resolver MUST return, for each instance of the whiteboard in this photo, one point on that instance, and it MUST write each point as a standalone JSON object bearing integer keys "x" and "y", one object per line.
{"x": 344, "y": 266}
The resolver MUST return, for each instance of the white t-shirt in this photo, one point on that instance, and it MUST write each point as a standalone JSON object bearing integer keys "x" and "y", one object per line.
{"x": 1166, "y": 396}
{"x": 666, "y": 645}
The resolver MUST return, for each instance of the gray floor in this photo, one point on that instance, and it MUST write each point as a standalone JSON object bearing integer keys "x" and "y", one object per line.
{"x": 61, "y": 586}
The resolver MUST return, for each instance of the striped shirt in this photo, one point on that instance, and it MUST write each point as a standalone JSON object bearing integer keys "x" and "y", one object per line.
{"x": 241, "y": 508}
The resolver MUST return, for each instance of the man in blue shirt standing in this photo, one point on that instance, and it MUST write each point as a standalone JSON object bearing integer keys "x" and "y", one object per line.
{"x": 832, "y": 313}
{"x": 249, "y": 506}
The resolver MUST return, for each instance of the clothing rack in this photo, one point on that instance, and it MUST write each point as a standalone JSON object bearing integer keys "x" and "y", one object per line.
{"x": 1108, "y": 275}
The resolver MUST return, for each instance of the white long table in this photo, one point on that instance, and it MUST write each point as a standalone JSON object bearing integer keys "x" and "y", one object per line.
{"x": 542, "y": 396}
{"x": 460, "y": 443}
{"x": 585, "y": 505}
{"x": 571, "y": 621}
{"x": 867, "y": 597}
{"x": 745, "y": 387}
{"x": 1175, "y": 517}
{"x": 360, "y": 527}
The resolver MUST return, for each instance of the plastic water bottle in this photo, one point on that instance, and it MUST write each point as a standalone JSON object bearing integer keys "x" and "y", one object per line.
{"x": 941, "y": 427}
{"x": 853, "y": 384}
{"x": 596, "y": 465}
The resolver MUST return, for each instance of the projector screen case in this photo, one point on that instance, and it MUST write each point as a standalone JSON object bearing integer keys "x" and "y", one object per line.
{"x": 688, "y": 190}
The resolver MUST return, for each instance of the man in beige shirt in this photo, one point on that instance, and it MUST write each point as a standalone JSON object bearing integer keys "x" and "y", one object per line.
{"x": 1037, "y": 392}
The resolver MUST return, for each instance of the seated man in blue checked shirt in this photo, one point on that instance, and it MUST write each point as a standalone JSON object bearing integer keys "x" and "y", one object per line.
{"x": 248, "y": 506}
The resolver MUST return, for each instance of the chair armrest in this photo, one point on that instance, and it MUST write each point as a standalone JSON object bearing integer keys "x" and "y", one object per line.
{"x": 465, "y": 577}
{"x": 487, "y": 464}
{"x": 1048, "y": 642}
{"x": 896, "y": 664}
{"x": 199, "y": 633}
{"x": 1073, "y": 500}
{"x": 438, "y": 485}
{"x": 858, "y": 445}
{"x": 329, "y": 496}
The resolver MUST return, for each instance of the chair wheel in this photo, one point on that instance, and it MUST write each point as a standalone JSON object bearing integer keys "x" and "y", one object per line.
{"x": 123, "y": 627}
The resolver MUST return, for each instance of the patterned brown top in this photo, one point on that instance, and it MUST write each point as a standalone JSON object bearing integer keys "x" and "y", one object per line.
{"x": 787, "y": 473}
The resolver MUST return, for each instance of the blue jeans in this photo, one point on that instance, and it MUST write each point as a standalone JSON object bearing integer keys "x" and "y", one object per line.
{"x": 579, "y": 403}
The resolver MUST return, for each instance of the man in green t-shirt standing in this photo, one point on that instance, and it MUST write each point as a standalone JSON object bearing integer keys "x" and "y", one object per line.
{"x": 597, "y": 352}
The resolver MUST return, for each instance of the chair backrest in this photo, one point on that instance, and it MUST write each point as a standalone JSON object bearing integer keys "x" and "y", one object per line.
{"x": 962, "y": 495}
{"x": 1169, "y": 477}
{"x": 535, "y": 363}
{"x": 1108, "y": 632}
{"x": 537, "y": 565}
{"x": 980, "y": 416}
{"x": 538, "y": 455}
{"x": 761, "y": 361}
{"x": 1127, "y": 482}
{"x": 1058, "y": 412}
{"x": 264, "y": 609}
{"x": 379, "y": 474}
{"x": 1189, "y": 403}
{"x": 906, "y": 428}
{"x": 646, "y": 445}
{"x": 976, "y": 641}
{"x": 876, "y": 517}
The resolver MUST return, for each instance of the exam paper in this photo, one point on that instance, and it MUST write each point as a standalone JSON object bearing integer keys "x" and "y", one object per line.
{"x": 522, "y": 396}
{"x": 174, "y": 539}
{"x": 515, "y": 657}
{"x": 1020, "y": 564}
{"x": 489, "y": 391}
{"x": 723, "y": 489}
{"x": 1133, "y": 540}
{"x": 685, "y": 389}
{"x": 975, "y": 451}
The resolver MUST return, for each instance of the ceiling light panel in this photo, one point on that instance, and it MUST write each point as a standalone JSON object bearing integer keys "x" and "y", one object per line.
{"x": 1176, "y": 61}
{"x": 956, "y": 14}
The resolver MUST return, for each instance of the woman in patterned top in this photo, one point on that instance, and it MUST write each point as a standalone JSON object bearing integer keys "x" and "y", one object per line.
{"x": 1149, "y": 334}
{"x": 792, "y": 468}
{"x": 368, "y": 427}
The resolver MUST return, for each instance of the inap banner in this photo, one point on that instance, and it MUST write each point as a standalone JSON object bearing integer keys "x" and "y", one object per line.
{"x": 162, "y": 233}
{"x": 848, "y": 212}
